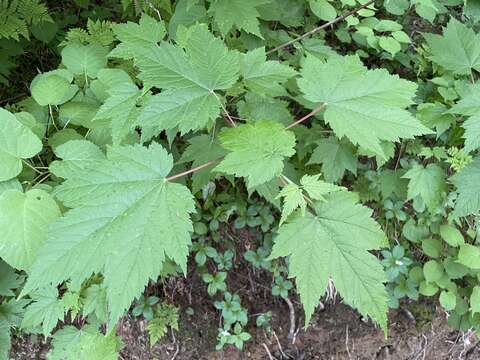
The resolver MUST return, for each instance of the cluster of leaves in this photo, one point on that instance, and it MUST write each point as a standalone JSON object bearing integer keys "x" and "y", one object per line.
{"x": 133, "y": 146}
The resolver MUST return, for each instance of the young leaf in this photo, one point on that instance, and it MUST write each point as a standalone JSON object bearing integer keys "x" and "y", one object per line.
{"x": 17, "y": 142}
{"x": 293, "y": 199}
{"x": 458, "y": 50}
{"x": 427, "y": 182}
{"x": 468, "y": 187}
{"x": 24, "y": 219}
{"x": 134, "y": 36}
{"x": 316, "y": 188}
{"x": 46, "y": 309}
{"x": 126, "y": 219}
{"x": 366, "y": 106}
{"x": 257, "y": 151}
{"x": 322, "y": 248}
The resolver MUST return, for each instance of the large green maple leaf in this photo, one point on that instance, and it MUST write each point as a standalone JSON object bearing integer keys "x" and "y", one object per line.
{"x": 469, "y": 106}
{"x": 334, "y": 244}
{"x": 189, "y": 74}
{"x": 366, "y": 106}
{"x": 240, "y": 13}
{"x": 467, "y": 182}
{"x": 126, "y": 220}
{"x": 458, "y": 50}
{"x": 257, "y": 151}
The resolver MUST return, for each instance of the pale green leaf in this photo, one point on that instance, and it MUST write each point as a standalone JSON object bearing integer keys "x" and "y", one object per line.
{"x": 316, "y": 188}
{"x": 257, "y": 151}
{"x": 86, "y": 60}
{"x": 475, "y": 300}
{"x": 451, "y": 235}
{"x": 293, "y": 198}
{"x": 322, "y": 247}
{"x": 53, "y": 87}
{"x": 24, "y": 219}
{"x": 469, "y": 255}
{"x": 126, "y": 220}
{"x": 367, "y": 106}
{"x": 17, "y": 142}
{"x": 323, "y": 9}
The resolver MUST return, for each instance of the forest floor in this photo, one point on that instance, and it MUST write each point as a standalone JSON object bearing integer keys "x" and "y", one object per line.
{"x": 336, "y": 332}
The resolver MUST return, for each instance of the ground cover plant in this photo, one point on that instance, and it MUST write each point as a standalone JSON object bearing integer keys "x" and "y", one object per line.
{"x": 341, "y": 135}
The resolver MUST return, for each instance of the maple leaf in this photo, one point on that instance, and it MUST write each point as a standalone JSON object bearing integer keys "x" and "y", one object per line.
{"x": 366, "y": 106}
{"x": 262, "y": 76}
{"x": 257, "y": 151}
{"x": 121, "y": 109}
{"x": 322, "y": 247}
{"x": 240, "y": 13}
{"x": 469, "y": 106}
{"x": 126, "y": 220}
{"x": 468, "y": 187}
{"x": 135, "y": 36}
{"x": 189, "y": 74}
{"x": 458, "y": 50}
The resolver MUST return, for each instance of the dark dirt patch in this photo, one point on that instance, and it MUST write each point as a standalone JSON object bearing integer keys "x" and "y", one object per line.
{"x": 336, "y": 332}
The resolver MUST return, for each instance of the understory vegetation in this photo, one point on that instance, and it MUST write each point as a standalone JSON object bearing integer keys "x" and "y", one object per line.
{"x": 329, "y": 145}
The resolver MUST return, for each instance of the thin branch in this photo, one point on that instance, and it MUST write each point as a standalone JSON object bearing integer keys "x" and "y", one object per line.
{"x": 321, "y": 27}
{"x": 308, "y": 116}
{"x": 268, "y": 351}
{"x": 230, "y": 120}
{"x": 291, "y": 332}
{"x": 195, "y": 169}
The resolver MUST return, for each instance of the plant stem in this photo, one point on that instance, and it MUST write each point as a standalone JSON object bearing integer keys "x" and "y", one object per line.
{"x": 32, "y": 167}
{"x": 230, "y": 120}
{"x": 317, "y": 29}
{"x": 193, "y": 170}
{"x": 309, "y": 115}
